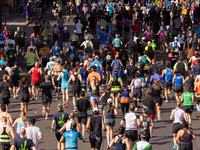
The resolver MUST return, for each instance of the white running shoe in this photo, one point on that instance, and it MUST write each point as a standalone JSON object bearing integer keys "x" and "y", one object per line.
{"x": 166, "y": 101}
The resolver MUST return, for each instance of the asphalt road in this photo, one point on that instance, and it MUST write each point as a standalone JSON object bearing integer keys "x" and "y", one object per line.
{"x": 162, "y": 132}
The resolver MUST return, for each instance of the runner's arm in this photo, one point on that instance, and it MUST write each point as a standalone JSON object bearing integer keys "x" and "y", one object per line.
{"x": 63, "y": 128}
{"x": 53, "y": 125}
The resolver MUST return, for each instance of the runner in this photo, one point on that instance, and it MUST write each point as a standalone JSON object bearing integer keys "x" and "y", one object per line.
{"x": 25, "y": 88}
{"x": 188, "y": 102}
{"x": 178, "y": 79}
{"x": 57, "y": 83}
{"x": 95, "y": 88}
{"x": 137, "y": 84}
{"x": 6, "y": 114}
{"x": 82, "y": 105}
{"x": 23, "y": 142}
{"x": 109, "y": 113}
{"x": 185, "y": 136}
{"x": 121, "y": 142}
{"x": 35, "y": 81}
{"x": 75, "y": 80}
{"x": 177, "y": 114}
{"x": 59, "y": 119}
{"x": 5, "y": 92}
{"x": 6, "y": 132}
{"x": 116, "y": 83}
{"x": 94, "y": 125}
{"x": 132, "y": 123}
{"x": 167, "y": 74}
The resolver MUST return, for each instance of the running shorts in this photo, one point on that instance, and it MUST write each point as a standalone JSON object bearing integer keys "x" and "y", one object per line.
{"x": 137, "y": 93}
{"x": 176, "y": 127}
{"x": 132, "y": 135}
{"x": 188, "y": 109}
{"x": 167, "y": 85}
{"x": 57, "y": 83}
{"x": 178, "y": 89}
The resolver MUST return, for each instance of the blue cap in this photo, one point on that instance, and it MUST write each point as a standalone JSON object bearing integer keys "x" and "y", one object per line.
{"x": 162, "y": 27}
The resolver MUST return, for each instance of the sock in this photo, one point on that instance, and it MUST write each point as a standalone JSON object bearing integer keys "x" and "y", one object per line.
{"x": 17, "y": 49}
{"x": 197, "y": 108}
{"x": 83, "y": 136}
{"x": 135, "y": 103}
{"x": 108, "y": 143}
{"x": 174, "y": 143}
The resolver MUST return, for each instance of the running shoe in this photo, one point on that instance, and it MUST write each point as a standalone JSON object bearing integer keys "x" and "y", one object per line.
{"x": 108, "y": 146}
{"x": 174, "y": 147}
{"x": 74, "y": 110}
{"x": 166, "y": 101}
{"x": 159, "y": 118}
{"x": 66, "y": 104}
{"x": 14, "y": 96}
{"x": 43, "y": 112}
{"x": 83, "y": 140}
{"x": 155, "y": 120}
{"x": 136, "y": 109}
{"x": 177, "y": 148}
{"x": 46, "y": 118}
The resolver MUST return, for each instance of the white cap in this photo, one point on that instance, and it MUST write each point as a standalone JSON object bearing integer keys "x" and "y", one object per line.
{"x": 175, "y": 38}
{"x": 110, "y": 100}
{"x": 74, "y": 31}
{"x": 51, "y": 58}
{"x": 189, "y": 27}
{"x": 44, "y": 43}
{"x": 102, "y": 28}
{"x": 96, "y": 109}
{"x": 143, "y": 38}
{"x": 96, "y": 57}
{"x": 167, "y": 26}
{"x": 65, "y": 28}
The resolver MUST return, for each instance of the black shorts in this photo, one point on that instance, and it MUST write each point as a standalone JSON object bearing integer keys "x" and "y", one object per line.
{"x": 132, "y": 135}
{"x": 15, "y": 80}
{"x": 137, "y": 93}
{"x": 178, "y": 89}
{"x": 35, "y": 84}
{"x": 126, "y": 29}
{"x": 29, "y": 67}
{"x": 82, "y": 120}
{"x": 188, "y": 146}
{"x": 146, "y": 72}
{"x": 181, "y": 47}
{"x": 176, "y": 127}
{"x": 188, "y": 109}
{"x": 158, "y": 100}
{"x": 108, "y": 68}
{"x": 55, "y": 37}
{"x": 25, "y": 98}
{"x": 5, "y": 99}
{"x": 46, "y": 101}
{"x": 21, "y": 43}
{"x": 57, "y": 83}
{"x": 1, "y": 45}
{"x": 129, "y": 80}
{"x": 75, "y": 92}
{"x": 167, "y": 85}
{"x": 7, "y": 147}
{"x": 95, "y": 143}
{"x": 58, "y": 135}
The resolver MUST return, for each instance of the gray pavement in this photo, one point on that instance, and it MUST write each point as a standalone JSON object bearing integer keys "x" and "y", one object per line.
{"x": 162, "y": 134}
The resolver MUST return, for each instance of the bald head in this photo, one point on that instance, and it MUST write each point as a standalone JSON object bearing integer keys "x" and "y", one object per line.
{"x": 22, "y": 132}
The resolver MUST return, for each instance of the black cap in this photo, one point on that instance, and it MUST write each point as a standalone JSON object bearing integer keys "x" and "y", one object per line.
{"x": 156, "y": 70}
{"x": 94, "y": 67}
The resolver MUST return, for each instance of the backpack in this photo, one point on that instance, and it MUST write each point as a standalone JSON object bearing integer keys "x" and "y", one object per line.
{"x": 137, "y": 83}
{"x": 115, "y": 81}
{"x": 144, "y": 59}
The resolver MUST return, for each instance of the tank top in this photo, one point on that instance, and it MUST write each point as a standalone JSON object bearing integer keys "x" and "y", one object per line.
{"x": 162, "y": 35}
{"x": 74, "y": 39}
{"x": 119, "y": 145}
{"x": 76, "y": 83}
{"x": 35, "y": 75}
{"x": 148, "y": 35}
{"x": 189, "y": 33}
{"x": 55, "y": 30}
{"x": 20, "y": 125}
{"x": 15, "y": 72}
{"x": 186, "y": 138}
{"x": 168, "y": 76}
{"x": 8, "y": 121}
{"x": 65, "y": 76}
{"x": 190, "y": 81}
{"x": 5, "y": 137}
{"x": 137, "y": 83}
{"x": 106, "y": 97}
{"x": 178, "y": 80}
{"x": 68, "y": 125}
{"x": 95, "y": 126}
{"x": 144, "y": 123}
{"x": 116, "y": 63}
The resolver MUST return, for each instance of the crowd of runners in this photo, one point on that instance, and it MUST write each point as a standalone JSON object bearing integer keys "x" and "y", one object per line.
{"x": 118, "y": 75}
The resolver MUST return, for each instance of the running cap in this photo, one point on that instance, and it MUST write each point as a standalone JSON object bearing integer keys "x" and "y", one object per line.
{"x": 18, "y": 28}
{"x": 96, "y": 57}
{"x": 65, "y": 28}
{"x": 87, "y": 27}
{"x": 156, "y": 70}
{"x": 57, "y": 60}
{"x": 51, "y": 58}
{"x": 143, "y": 38}
{"x": 196, "y": 52}
{"x": 102, "y": 28}
{"x": 96, "y": 109}
{"x": 175, "y": 38}
{"x": 74, "y": 31}
{"x": 44, "y": 43}
{"x": 110, "y": 100}
{"x": 149, "y": 42}
{"x": 189, "y": 27}
{"x": 167, "y": 27}
{"x": 116, "y": 56}
{"x": 162, "y": 27}
{"x": 73, "y": 126}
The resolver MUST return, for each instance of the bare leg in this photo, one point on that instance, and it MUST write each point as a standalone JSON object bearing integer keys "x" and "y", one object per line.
{"x": 7, "y": 108}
